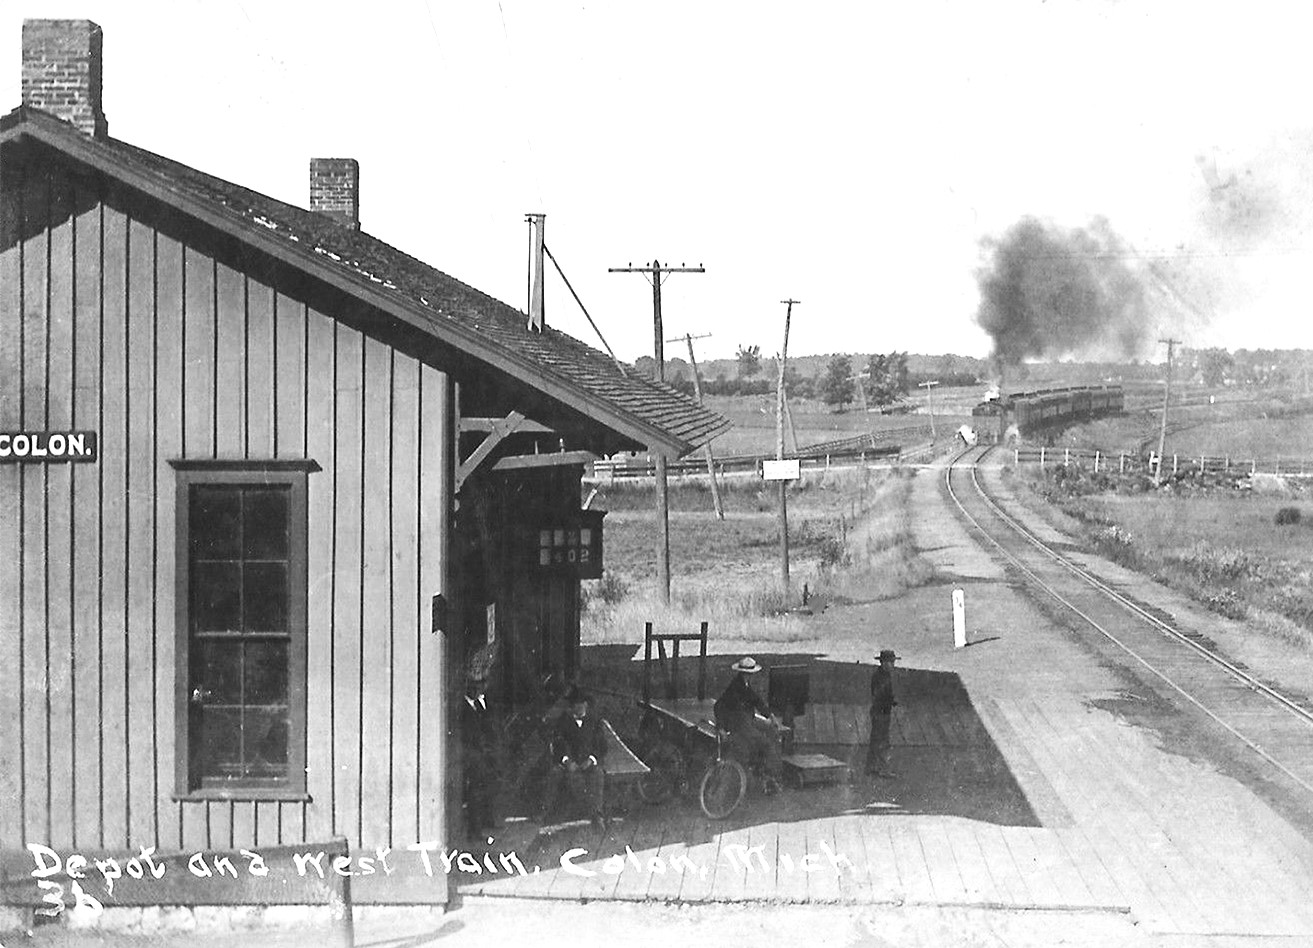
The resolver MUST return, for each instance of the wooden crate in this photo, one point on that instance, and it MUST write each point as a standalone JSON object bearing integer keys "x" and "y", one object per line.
{"x": 807, "y": 769}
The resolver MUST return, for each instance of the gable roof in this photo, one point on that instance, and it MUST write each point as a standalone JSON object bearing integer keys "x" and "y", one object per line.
{"x": 560, "y": 366}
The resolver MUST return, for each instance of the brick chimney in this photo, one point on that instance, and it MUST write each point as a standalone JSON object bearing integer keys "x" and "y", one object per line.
{"x": 62, "y": 71}
{"x": 335, "y": 189}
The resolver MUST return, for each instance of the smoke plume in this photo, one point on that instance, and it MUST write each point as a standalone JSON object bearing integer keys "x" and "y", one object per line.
{"x": 1046, "y": 292}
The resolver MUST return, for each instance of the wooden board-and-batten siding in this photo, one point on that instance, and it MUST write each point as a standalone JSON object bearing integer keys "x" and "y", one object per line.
{"x": 117, "y": 317}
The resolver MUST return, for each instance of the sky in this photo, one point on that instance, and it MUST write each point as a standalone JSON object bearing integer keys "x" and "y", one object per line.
{"x": 852, "y": 156}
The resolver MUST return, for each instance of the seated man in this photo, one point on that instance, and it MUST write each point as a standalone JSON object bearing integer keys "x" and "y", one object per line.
{"x": 578, "y": 750}
{"x": 753, "y": 732}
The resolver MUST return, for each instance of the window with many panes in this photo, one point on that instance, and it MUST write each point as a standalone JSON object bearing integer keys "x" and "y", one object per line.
{"x": 241, "y": 623}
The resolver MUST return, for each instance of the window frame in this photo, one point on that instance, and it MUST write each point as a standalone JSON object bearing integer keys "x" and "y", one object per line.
{"x": 293, "y": 473}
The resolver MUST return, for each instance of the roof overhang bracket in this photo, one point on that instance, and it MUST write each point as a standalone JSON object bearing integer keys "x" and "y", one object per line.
{"x": 501, "y": 428}
{"x": 489, "y": 424}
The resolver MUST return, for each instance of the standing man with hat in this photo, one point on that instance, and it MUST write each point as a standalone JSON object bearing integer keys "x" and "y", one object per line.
{"x": 882, "y": 710}
{"x": 753, "y": 733}
{"x": 478, "y": 740}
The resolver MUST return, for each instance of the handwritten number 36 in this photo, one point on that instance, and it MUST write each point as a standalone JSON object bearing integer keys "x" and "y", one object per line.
{"x": 54, "y": 899}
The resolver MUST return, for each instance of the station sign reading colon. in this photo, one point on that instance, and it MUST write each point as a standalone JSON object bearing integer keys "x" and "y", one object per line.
{"x": 47, "y": 447}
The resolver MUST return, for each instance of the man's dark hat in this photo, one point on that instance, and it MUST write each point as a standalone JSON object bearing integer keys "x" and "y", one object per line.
{"x": 577, "y": 695}
{"x": 889, "y": 654}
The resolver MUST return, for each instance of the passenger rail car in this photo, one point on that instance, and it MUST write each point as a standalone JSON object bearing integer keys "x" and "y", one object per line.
{"x": 1050, "y": 409}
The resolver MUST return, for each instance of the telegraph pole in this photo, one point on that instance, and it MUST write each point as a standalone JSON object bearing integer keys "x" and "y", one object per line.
{"x": 1167, "y": 394}
{"x": 779, "y": 450}
{"x": 697, "y": 390}
{"x": 861, "y": 378}
{"x": 928, "y": 386}
{"x": 653, "y": 273}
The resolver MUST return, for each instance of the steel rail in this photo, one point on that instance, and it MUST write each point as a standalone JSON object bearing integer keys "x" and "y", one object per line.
{"x": 1280, "y": 700}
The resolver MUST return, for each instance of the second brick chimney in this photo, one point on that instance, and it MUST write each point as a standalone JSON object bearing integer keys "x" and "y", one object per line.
{"x": 62, "y": 71}
{"x": 335, "y": 189}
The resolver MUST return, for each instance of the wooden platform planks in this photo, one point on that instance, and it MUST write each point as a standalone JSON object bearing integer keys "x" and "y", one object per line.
{"x": 791, "y": 881}
{"x": 704, "y": 857}
{"x": 1146, "y": 891}
{"x": 1006, "y": 875}
{"x": 854, "y": 876}
{"x": 645, "y": 842}
{"x": 587, "y": 845}
{"x": 730, "y": 881}
{"x": 759, "y": 881}
{"x": 881, "y": 860}
{"x": 1204, "y": 879}
{"x": 977, "y": 881}
{"x": 823, "y": 878}
{"x": 668, "y": 866}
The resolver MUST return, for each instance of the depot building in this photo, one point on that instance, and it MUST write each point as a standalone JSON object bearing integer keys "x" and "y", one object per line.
{"x": 266, "y": 483}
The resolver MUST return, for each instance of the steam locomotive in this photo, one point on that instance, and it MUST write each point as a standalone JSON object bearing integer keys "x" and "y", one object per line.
{"x": 1046, "y": 410}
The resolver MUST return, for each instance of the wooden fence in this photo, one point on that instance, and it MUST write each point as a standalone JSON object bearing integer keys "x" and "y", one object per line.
{"x": 900, "y": 444}
{"x": 1177, "y": 463}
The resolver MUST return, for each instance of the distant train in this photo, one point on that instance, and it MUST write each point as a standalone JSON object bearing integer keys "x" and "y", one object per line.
{"x": 1026, "y": 414}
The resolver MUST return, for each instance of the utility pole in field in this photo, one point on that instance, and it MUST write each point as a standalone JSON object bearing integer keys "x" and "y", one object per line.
{"x": 779, "y": 449}
{"x": 697, "y": 390}
{"x": 653, "y": 273}
{"x": 861, "y": 378}
{"x": 928, "y": 386}
{"x": 1167, "y": 394}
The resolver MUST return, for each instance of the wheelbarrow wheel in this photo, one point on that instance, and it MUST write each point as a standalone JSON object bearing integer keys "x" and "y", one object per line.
{"x": 665, "y": 773}
{"x": 722, "y": 789}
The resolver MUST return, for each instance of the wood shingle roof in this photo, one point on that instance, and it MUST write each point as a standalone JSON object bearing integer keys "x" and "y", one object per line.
{"x": 562, "y": 367}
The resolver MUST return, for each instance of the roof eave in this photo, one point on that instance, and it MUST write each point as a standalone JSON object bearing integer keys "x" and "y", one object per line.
{"x": 83, "y": 149}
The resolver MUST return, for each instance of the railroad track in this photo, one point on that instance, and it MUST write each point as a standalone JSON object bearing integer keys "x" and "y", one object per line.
{"x": 1272, "y": 725}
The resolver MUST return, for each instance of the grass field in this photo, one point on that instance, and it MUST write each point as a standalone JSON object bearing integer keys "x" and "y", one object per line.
{"x": 816, "y": 422}
{"x": 1248, "y": 438}
{"x": 849, "y": 538}
{"x": 1225, "y": 548}
{"x": 1237, "y": 429}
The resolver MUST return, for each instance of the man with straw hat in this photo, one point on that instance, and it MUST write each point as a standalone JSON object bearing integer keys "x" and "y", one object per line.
{"x": 882, "y": 711}
{"x": 753, "y": 732}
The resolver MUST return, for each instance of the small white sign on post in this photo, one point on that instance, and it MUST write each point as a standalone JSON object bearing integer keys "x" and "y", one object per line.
{"x": 789, "y": 469}
{"x": 959, "y": 619}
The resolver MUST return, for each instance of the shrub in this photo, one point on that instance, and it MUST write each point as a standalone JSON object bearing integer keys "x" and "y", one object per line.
{"x": 1227, "y": 603}
{"x": 1287, "y": 515}
{"x": 833, "y": 553}
{"x": 1115, "y": 543}
{"x": 608, "y": 591}
{"x": 1221, "y": 564}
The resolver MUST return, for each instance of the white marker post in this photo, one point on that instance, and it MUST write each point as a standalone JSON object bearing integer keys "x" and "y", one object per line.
{"x": 959, "y": 619}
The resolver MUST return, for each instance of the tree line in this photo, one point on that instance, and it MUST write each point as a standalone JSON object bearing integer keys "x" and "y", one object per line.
{"x": 881, "y": 380}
